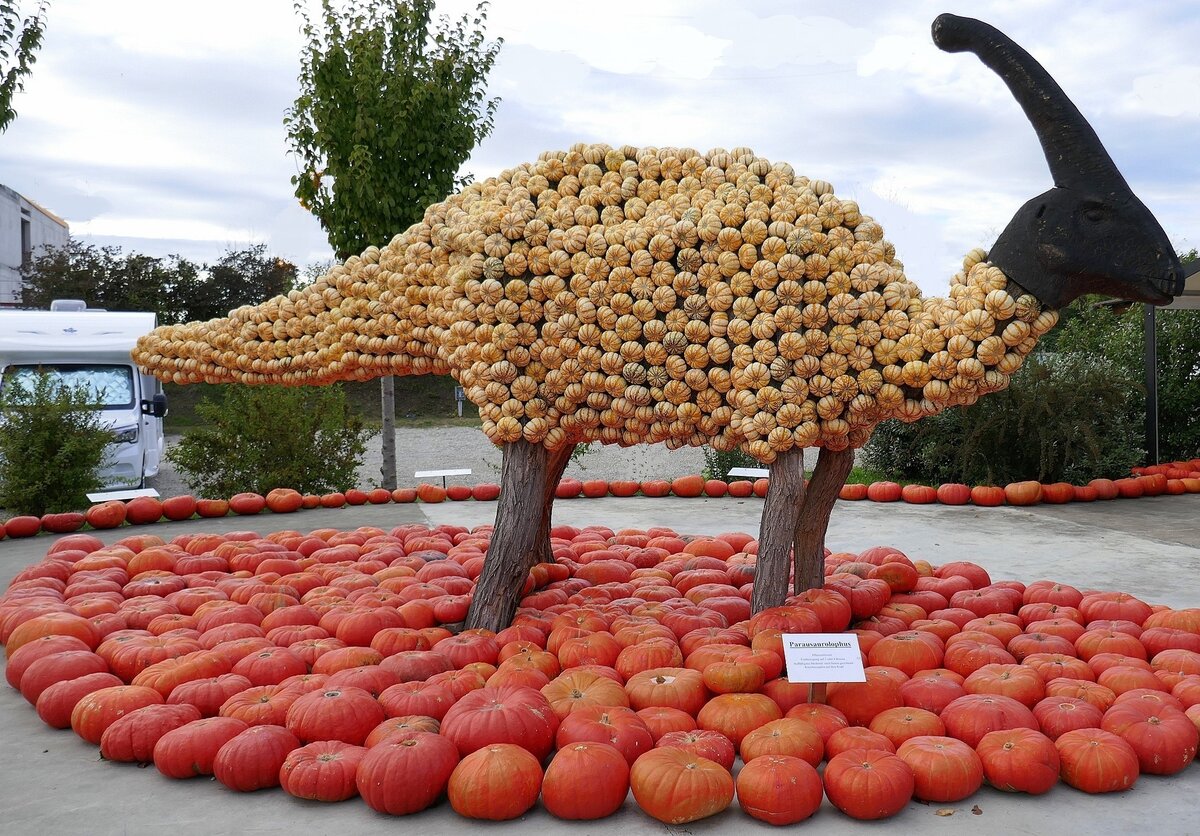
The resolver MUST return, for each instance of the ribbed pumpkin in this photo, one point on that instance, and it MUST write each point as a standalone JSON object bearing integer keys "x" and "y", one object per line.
{"x": 736, "y": 715}
{"x": 252, "y": 760}
{"x": 190, "y": 750}
{"x": 1097, "y": 761}
{"x": 502, "y": 715}
{"x": 20, "y": 659}
{"x": 94, "y": 713}
{"x": 346, "y": 714}
{"x": 56, "y": 703}
{"x": 779, "y": 789}
{"x": 706, "y": 743}
{"x": 585, "y": 781}
{"x": 132, "y": 738}
{"x": 406, "y": 774}
{"x": 944, "y": 769}
{"x": 677, "y": 787}
{"x": 322, "y": 771}
{"x": 58, "y": 667}
{"x": 1019, "y": 760}
{"x": 501, "y": 781}
{"x": 617, "y": 726}
{"x": 868, "y": 783}
{"x": 791, "y": 737}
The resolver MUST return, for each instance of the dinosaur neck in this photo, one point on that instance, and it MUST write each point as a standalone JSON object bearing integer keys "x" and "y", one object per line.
{"x": 961, "y": 347}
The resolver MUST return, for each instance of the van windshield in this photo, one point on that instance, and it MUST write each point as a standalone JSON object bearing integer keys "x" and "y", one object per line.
{"x": 111, "y": 387}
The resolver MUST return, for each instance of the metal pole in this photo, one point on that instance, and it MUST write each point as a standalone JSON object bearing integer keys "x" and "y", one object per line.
{"x": 1150, "y": 339}
{"x": 387, "y": 395}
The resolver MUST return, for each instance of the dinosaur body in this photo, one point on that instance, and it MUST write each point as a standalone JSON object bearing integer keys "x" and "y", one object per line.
{"x": 639, "y": 295}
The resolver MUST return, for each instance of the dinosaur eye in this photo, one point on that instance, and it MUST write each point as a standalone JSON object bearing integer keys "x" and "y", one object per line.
{"x": 1095, "y": 214}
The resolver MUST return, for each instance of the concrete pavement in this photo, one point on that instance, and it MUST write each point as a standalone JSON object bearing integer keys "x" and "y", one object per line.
{"x": 54, "y": 783}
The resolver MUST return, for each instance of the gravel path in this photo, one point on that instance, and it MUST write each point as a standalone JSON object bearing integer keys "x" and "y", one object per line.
{"x": 443, "y": 448}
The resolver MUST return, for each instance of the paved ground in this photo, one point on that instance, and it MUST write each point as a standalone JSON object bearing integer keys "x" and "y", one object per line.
{"x": 442, "y": 448}
{"x": 53, "y": 783}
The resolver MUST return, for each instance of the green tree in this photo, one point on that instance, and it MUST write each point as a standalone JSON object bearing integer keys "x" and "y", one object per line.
{"x": 19, "y": 40}
{"x": 176, "y": 289}
{"x": 52, "y": 447}
{"x": 106, "y": 278}
{"x": 239, "y": 277}
{"x": 390, "y": 106}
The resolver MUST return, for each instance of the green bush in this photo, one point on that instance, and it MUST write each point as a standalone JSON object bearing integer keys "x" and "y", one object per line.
{"x": 718, "y": 464}
{"x": 52, "y": 448}
{"x": 264, "y": 437}
{"x": 1065, "y": 417}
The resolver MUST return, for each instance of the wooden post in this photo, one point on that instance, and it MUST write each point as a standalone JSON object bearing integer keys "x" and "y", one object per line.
{"x": 387, "y": 399}
{"x": 1150, "y": 339}
{"x": 832, "y": 468}
{"x": 516, "y": 541}
{"x": 777, "y": 531}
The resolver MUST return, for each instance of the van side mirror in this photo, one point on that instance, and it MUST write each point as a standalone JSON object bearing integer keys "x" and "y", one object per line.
{"x": 156, "y": 406}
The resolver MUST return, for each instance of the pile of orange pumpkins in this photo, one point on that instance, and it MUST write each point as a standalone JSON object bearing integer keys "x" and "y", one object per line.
{"x": 327, "y": 664}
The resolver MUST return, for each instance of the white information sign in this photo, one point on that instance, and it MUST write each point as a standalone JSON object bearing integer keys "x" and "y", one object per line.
{"x": 823, "y": 657}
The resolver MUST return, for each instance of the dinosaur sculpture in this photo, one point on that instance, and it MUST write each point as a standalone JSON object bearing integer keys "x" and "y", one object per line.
{"x": 661, "y": 295}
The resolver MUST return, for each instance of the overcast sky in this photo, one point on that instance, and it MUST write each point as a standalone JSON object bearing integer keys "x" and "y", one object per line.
{"x": 157, "y": 125}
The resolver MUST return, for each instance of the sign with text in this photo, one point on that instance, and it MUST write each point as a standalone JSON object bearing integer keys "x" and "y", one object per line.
{"x": 823, "y": 657}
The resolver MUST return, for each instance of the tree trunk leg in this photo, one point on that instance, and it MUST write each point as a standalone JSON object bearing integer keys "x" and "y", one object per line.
{"x": 515, "y": 545}
{"x": 780, "y": 516}
{"x": 832, "y": 468}
{"x": 558, "y": 461}
{"x": 387, "y": 398}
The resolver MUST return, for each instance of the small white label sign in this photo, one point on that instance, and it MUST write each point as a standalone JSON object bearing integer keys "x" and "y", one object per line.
{"x": 823, "y": 657}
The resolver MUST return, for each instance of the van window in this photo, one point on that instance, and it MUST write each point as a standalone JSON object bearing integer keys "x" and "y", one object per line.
{"x": 110, "y": 386}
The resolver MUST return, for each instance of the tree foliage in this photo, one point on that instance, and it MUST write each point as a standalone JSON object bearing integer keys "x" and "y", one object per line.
{"x": 52, "y": 448}
{"x": 390, "y": 106}
{"x": 177, "y": 289}
{"x": 239, "y": 277}
{"x": 19, "y": 41}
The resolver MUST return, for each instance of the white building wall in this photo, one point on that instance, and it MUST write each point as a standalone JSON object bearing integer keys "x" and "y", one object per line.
{"x": 17, "y": 240}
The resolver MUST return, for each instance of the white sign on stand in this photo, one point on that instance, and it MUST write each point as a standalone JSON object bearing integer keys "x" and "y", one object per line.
{"x": 823, "y": 657}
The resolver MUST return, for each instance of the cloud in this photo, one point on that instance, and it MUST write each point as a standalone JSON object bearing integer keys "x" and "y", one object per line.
{"x": 1171, "y": 93}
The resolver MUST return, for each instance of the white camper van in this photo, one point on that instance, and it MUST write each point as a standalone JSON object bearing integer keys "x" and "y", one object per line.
{"x": 91, "y": 348}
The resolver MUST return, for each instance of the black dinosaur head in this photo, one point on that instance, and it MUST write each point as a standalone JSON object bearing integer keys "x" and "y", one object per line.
{"x": 1088, "y": 234}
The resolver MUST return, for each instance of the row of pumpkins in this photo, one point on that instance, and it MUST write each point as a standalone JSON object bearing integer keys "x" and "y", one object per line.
{"x": 631, "y": 296}
{"x": 1174, "y": 479}
{"x": 321, "y": 663}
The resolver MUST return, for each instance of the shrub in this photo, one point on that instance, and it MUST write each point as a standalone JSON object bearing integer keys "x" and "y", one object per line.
{"x": 52, "y": 448}
{"x": 717, "y": 464}
{"x": 1064, "y": 417}
{"x": 264, "y": 437}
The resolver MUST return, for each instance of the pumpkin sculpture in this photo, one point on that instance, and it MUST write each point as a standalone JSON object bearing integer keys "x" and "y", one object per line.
{"x": 661, "y": 295}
